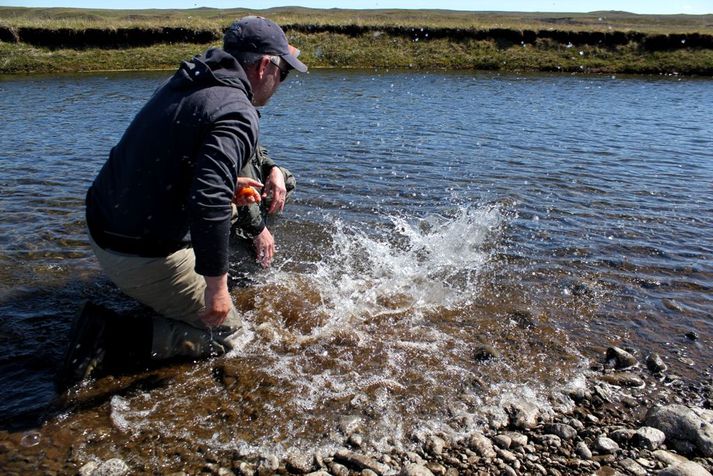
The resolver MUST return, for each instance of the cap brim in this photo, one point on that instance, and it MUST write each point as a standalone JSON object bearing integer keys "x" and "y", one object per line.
{"x": 295, "y": 63}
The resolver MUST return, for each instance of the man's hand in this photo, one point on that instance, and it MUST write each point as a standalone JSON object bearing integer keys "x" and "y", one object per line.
{"x": 264, "y": 245}
{"x": 218, "y": 302}
{"x": 241, "y": 198}
{"x": 275, "y": 186}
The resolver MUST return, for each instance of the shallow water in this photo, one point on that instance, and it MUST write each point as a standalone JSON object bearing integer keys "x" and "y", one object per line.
{"x": 545, "y": 216}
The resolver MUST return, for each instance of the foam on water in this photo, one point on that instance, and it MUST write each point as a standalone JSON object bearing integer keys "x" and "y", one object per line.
{"x": 381, "y": 330}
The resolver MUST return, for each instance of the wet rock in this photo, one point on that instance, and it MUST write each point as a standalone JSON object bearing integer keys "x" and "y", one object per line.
{"x": 619, "y": 358}
{"x": 605, "y": 445}
{"x": 517, "y": 440}
{"x": 88, "y": 468}
{"x": 506, "y": 456}
{"x": 348, "y": 424}
{"x": 507, "y": 470}
{"x": 368, "y": 472}
{"x": 684, "y": 469}
{"x": 691, "y": 335}
{"x": 668, "y": 458}
{"x": 359, "y": 461}
{"x": 111, "y": 467}
{"x": 338, "y": 469}
{"x": 269, "y": 463}
{"x": 482, "y": 445}
{"x": 413, "y": 469}
{"x": 356, "y": 440}
{"x": 683, "y": 425}
{"x": 435, "y": 445}
{"x": 622, "y": 435}
{"x": 583, "y": 451}
{"x": 564, "y": 431}
{"x": 225, "y": 472}
{"x": 246, "y": 469}
{"x": 436, "y": 469}
{"x": 632, "y": 467}
{"x": 648, "y": 438}
{"x": 321, "y": 472}
{"x": 523, "y": 415}
{"x": 415, "y": 458}
{"x": 502, "y": 441}
{"x": 485, "y": 352}
{"x": 300, "y": 463}
{"x": 604, "y": 393}
{"x": 655, "y": 363}
{"x": 623, "y": 379}
{"x": 552, "y": 441}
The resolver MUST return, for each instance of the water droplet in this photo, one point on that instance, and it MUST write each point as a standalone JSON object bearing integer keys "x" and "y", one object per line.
{"x": 30, "y": 439}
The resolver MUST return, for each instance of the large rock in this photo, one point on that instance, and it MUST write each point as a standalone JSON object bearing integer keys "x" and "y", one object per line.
{"x": 685, "y": 425}
{"x": 482, "y": 445}
{"x": 523, "y": 415}
{"x": 619, "y": 358}
{"x": 360, "y": 462}
{"x": 688, "y": 468}
{"x": 111, "y": 467}
{"x": 415, "y": 470}
{"x": 648, "y": 438}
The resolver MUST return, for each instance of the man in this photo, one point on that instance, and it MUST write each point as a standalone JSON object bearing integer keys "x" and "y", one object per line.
{"x": 159, "y": 212}
{"x": 251, "y": 220}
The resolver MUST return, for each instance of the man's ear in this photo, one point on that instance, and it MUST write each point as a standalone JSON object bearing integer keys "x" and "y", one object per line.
{"x": 262, "y": 67}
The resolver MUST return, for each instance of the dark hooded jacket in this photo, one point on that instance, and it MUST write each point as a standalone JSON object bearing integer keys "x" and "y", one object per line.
{"x": 170, "y": 180}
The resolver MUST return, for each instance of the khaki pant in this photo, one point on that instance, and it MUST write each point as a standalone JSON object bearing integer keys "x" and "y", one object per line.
{"x": 172, "y": 288}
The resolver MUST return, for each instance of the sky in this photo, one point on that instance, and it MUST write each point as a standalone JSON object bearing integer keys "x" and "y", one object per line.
{"x": 634, "y": 6}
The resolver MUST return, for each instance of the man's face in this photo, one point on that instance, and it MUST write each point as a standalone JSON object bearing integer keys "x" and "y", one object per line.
{"x": 264, "y": 79}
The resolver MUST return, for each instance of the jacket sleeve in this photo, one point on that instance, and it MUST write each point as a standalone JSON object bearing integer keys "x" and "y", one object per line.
{"x": 225, "y": 149}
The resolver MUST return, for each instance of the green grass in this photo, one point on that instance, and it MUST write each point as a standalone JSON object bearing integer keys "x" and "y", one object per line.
{"x": 374, "y": 49}
{"x": 218, "y": 19}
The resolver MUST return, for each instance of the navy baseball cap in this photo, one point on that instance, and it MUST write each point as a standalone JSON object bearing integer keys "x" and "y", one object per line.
{"x": 255, "y": 34}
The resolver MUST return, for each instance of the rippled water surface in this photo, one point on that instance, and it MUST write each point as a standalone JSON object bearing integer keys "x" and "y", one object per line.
{"x": 439, "y": 219}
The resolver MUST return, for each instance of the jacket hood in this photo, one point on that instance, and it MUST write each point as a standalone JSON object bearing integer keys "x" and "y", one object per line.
{"x": 211, "y": 68}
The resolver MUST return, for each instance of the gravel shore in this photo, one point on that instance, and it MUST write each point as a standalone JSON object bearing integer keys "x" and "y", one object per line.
{"x": 628, "y": 417}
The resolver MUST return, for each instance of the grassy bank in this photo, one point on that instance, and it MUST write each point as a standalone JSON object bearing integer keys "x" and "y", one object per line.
{"x": 65, "y": 40}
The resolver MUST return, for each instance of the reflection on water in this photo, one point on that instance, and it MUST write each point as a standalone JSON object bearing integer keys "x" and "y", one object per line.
{"x": 456, "y": 242}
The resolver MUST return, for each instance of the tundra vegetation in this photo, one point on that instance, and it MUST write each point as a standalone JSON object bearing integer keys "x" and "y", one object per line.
{"x": 50, "y": 40}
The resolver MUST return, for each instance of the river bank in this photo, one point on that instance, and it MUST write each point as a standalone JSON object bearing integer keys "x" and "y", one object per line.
{"x": 628, "y": 415}
{"x": 35, "y": 41}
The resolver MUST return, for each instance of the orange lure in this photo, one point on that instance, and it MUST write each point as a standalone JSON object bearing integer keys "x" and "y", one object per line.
{"x": 249, "y": 192}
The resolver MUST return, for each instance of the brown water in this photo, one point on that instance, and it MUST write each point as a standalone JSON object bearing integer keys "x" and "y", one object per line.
{"x": 547, "y": 217}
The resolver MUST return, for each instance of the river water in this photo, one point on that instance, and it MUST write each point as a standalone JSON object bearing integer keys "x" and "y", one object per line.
{"x": 439, "y": 217}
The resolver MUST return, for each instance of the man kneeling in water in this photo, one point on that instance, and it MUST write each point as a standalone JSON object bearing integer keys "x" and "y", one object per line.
{"x": 159, "y": 212}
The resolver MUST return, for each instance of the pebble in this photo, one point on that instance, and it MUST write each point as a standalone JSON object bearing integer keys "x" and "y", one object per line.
{"x": 606, "y": 445}
{"x": 517, "y": 440}
{"x": 655, "y": 363}
{"x": 503, "y": 441}
{"x": 360, "y": 461}
{"x": 622, "y": 435}
{"x": 111, "y": 467}
{"x": 623, "y": 379}
{"x": 413, "y": 469}
{"x": 583, "y": 451}
{"x": 619, "y": 358}
{"x": 564, "y": 431}
{"x": 482, "y": 445}
{"x": 648, "y": 438}
{"x": 633, "y": 467}
{"x": 523, "y": 415}
{"x": 338, "y": 469}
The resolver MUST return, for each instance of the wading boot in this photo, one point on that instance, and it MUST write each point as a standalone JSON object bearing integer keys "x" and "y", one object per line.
{"x": 87, "y": 345}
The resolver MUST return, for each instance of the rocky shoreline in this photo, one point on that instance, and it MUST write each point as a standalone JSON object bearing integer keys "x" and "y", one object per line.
{"x": 627, "y": 418}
